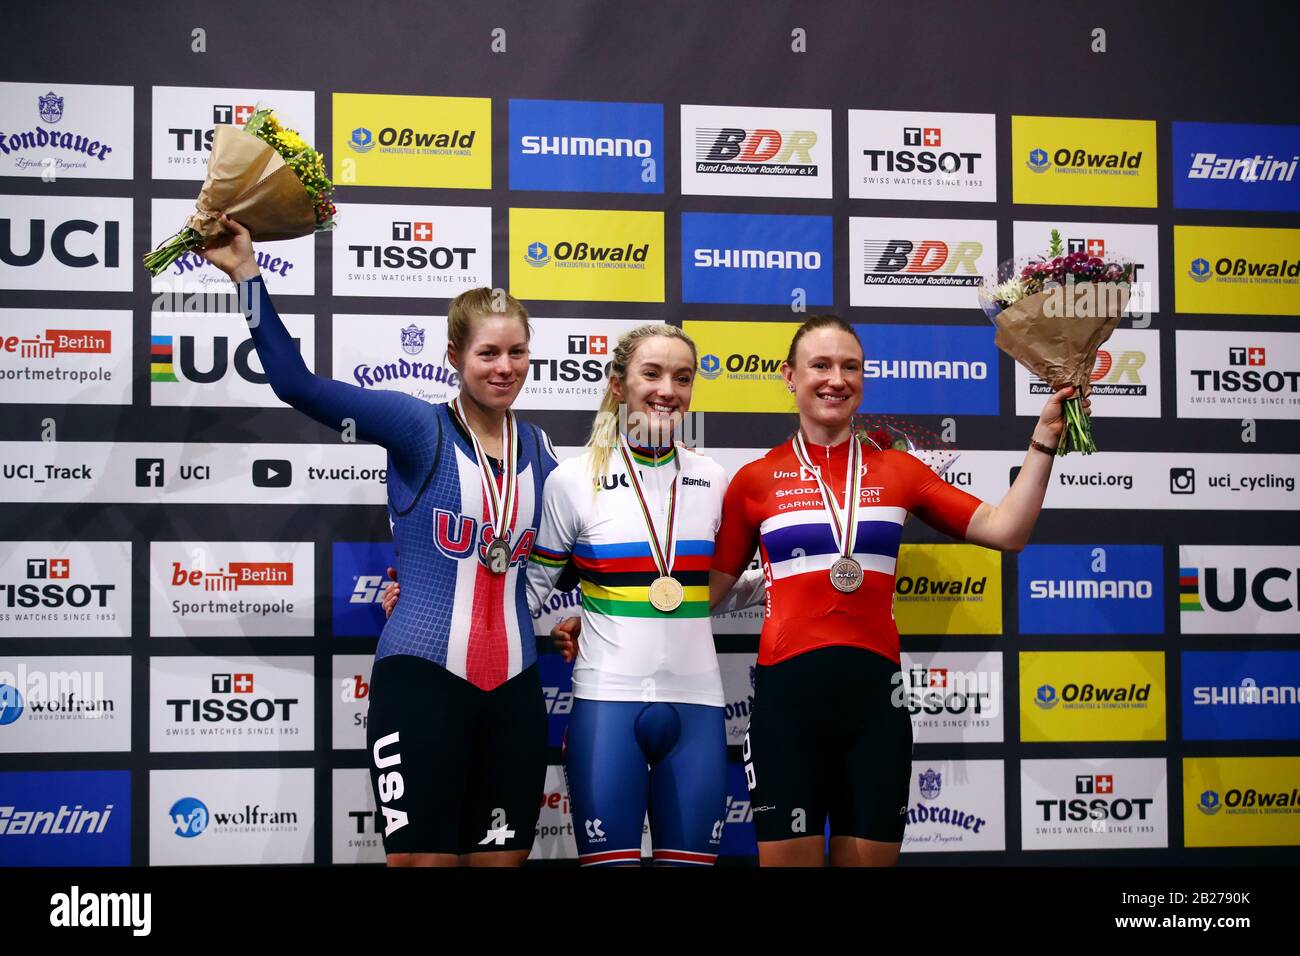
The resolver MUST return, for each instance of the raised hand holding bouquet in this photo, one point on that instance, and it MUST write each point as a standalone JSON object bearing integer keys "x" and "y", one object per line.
{"x": 1052, "y": 314}
{"x": 265, "y": 177}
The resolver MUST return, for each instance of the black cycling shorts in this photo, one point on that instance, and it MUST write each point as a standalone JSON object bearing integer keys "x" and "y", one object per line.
{"x": 455, "y": 769}
{"x": 825, "y": 739}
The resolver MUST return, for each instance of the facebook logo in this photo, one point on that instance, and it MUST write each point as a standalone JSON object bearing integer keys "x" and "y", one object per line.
{"x": 148, "y": 472}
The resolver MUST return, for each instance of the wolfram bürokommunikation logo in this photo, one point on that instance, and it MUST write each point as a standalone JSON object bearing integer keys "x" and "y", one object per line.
{"x": 390, "y": 140}
{"x": 1092, "y": 695}
{"x": 896, "y": 154}
{"x": 587, "y": 255}
{"x": 756, "y": 151}
{"x": 65, "y": 357}
{"x": 1241, "y": 801}
{"x": 1233, "y": 270}
{"x": 1238, "y": 590}
{"x": 1071, "y": 161}
{"x": 752, "y": 259}
{"x": 1236, "y": 166}
{"x": 1238, "y": 374}
{"x": 576, "y": 146}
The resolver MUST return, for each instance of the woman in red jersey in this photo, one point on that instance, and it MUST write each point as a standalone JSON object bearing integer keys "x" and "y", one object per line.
{"x": 825, "y": 736}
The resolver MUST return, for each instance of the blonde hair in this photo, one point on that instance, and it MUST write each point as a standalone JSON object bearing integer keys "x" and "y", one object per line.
{"x": 474, "y": 304}
{"x": 604, "y": 429}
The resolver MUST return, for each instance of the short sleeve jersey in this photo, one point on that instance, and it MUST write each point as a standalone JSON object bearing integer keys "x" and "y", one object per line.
{"x": 775, "y": 504}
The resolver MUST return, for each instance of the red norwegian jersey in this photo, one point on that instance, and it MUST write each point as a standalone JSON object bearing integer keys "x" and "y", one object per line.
{"x": 774, "y": 504}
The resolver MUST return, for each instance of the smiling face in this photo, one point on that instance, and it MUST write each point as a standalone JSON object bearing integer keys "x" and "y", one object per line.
{"x": 494, "y": 364}
{"x": 826, "y": 378}
{"x": 656, "y": 389}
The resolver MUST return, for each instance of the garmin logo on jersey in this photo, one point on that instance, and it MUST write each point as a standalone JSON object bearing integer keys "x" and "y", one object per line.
{"x": 455, "y": 535}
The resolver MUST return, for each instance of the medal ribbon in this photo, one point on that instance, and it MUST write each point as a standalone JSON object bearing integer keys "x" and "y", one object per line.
{"x": 842, "y": 526}
{"x": 664, "y": 556}
{"x": 500, "y": 497}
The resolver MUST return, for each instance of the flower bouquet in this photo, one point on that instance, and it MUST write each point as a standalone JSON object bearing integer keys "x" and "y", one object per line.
{"x": 265, "y": 177}
{"x": 1052, "y": 314}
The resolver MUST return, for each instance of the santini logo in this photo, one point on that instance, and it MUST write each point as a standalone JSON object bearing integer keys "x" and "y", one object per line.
{"x": 77, "y": 909}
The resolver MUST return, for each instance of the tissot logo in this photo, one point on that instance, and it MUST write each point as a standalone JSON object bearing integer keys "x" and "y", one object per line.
{"x": 184, "y": 118}
{"x": 412, "y": 250}
{"x": 1229, "y": 374}
{"x": 902, "y": 155}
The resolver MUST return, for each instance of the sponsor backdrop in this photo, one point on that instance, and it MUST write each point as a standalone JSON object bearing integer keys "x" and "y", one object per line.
{"x": 191, "y": 572}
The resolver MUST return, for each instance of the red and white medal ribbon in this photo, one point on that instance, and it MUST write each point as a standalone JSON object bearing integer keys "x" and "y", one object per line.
{"x": 500, "y": 497}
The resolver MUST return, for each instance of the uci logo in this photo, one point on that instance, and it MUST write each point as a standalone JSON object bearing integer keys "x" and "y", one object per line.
{"x": 1200, "y": 270}
{"x": 1038, "y": 161}
{"x": 1046, "y": 697}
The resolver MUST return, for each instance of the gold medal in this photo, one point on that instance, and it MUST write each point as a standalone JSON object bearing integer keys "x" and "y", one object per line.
{"x": 666, "y": 594}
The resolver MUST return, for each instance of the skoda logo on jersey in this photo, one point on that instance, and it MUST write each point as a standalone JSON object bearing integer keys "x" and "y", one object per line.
{"x": 51, "y": 107}
{"x": 1046, "y": 697}
{"x": 1209, "y": 804}
{"x": 1200, "y": 270}
{"x": 362, "y": 140}
{"x": 710, "y": 367}
{"x": 537, "y": 255}
{"x": 929, "y": 783}
{"x": 1038, "y": 160}
{"x": 412, "y": 340}
{"x": 11, "y": 704}
{"x": 189, "y": 816}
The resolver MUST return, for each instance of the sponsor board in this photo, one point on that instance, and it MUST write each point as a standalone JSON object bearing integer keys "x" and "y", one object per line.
{"x": 65, "y": 357}
{"x": 1238, "y": 374}
{"x": 350, "y": 694}
{"x": 953, "y": 696}
{"x": 956, "y": 806}
{"x": 948, "y": 589}
{"x": 928, "y": 369}
{"x": 757, "y": 260}
{"x": 591, "y": 255}
{"x": 404, "y": 353}
{"x": 70, "y": 243}
{"x": 557, "y": 690}
{"x": 1100, "y": 804}
{"x": 898, "y": 154}
{"x": 65, "y": 818}
{"x": 57, "y": 130}
{"x": 738, "y": 835}
{"x": 184, "y": 118}
{"x": 756, "y": 151}
{"x": 738, "y": 691}
{"x": 218, "y": 588}
{"x": 1092, "y": 695}
{"x": 422, "y": 251}
{"x": 65, "y": 589}
{"x": 288, "y": 267}
{"x": 65, "y": 704}
{"x": 555, "y": 840}
{"x": 210, "y": 704}
{"x": 388, "y": 140}
{"x": 1242, "y": 589}
{"x": 241, "y": 817}
{"x": 1091, "y": 589}
{"x": 920, "y": 263}
{"x": 360, "y": 577}
{"x": 358, "y": 828}
{"x": 1073, "y": 161}
{"x": 1125, "y": 379}
{"x": 209, "y": 360}
{"x": 199, "y": 473}
{"x": 1241, "y": 695}
{"x": 1110, "y": 241}
{"x": 1241, "y": 801}
{"x": 1229, "y": 270}
{"x": 575, "y": 146}
{"x": 740, "y": 366}
{"x": 567, "y": 360}
{"x": 1236, "y": 166}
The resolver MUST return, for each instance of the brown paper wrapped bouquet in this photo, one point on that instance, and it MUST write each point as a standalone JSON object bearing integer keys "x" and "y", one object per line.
{"x": 266, "y": 178}
{"x": 1052, "y": 314}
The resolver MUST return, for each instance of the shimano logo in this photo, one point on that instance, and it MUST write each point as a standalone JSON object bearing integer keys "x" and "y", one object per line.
{"x": 923, "y": 368}
{"x": 1087, "y": 590}
{"x": 757, "y": 259}
{"x": 585, "y": 146}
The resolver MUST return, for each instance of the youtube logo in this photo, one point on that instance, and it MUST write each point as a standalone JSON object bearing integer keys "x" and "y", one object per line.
{"x": 272, "y": 473}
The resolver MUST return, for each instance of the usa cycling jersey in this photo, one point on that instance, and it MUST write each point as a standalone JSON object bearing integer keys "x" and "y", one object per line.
{"x": 773, "y": 503}
{"x": 453, "y": 610}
